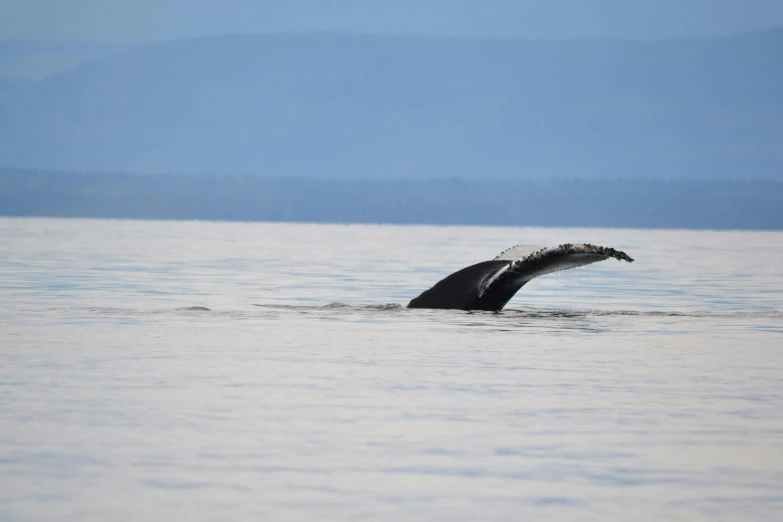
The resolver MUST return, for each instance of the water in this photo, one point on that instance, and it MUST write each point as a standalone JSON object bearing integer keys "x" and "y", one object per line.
{"x": 650, "y": 391}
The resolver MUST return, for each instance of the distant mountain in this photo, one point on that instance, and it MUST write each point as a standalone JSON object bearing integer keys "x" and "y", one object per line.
{"x": 369, "y": 106}
{"x": 35, "y": 60}
{"x": 11, "y": 82}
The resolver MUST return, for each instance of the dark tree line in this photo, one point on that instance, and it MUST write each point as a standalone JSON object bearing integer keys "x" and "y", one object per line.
{"x": 646, "y": 203}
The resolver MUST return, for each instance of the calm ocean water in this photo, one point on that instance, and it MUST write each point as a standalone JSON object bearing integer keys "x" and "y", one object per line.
{"x": 650, "y": 391}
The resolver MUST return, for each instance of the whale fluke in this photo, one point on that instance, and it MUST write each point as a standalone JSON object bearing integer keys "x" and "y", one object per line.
{"x": 489, "y": 285}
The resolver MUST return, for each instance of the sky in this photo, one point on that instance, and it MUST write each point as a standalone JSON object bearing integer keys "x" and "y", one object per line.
{"x": 137, "y": 21}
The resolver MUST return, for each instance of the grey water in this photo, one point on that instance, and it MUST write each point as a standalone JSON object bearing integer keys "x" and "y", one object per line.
{"x": 154, "y": 370}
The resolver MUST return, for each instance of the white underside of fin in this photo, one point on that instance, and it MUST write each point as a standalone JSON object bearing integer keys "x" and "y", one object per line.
{"x": 487, "y": 283}
{"x": 525, "y": 261}
{"x": 518, "y": 252}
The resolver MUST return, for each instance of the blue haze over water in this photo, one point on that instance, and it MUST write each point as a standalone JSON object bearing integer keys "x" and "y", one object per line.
{"x": 358, "y": 106}
{"x": 580, "y": 112}
{"x": 302, "y": 390}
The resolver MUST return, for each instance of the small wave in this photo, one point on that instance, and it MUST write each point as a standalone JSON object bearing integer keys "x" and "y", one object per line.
{"x": 331, "y": 306}
{"x": 704, "y": 314}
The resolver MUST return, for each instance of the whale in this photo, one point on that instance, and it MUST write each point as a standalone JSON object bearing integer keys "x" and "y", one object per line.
{"x": 489, "y": 285}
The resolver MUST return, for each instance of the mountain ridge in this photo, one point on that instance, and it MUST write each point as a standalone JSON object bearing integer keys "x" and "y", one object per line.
{"x": 355, "y": 105}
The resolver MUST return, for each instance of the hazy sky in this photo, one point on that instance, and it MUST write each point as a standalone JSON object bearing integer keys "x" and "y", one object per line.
{"x": 145, "y": 20}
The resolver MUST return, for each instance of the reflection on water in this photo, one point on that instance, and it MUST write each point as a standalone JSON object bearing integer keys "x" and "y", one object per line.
{"x": 199, "y": 371}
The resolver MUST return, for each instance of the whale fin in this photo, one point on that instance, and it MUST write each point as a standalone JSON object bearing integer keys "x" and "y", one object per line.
{"x": 489, "y": 285}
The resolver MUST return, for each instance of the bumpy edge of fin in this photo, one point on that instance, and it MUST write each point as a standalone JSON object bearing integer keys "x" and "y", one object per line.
{"x": 570, "y": 248}
{"x": 564, "y": 249}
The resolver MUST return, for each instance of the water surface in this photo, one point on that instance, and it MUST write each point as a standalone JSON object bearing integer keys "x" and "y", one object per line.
{"x": 246, "y": 371}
